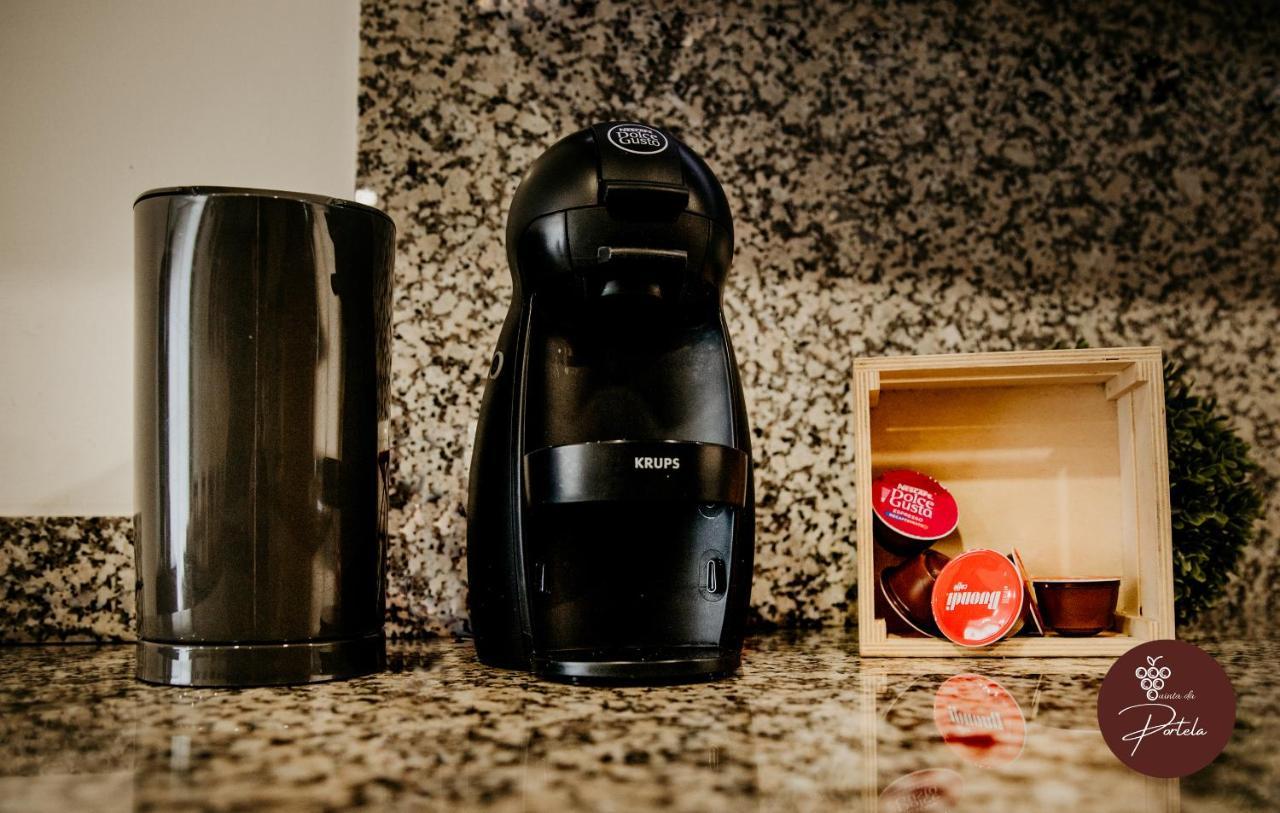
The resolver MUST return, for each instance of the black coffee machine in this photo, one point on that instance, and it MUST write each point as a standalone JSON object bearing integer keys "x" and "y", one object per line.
{"x": 611, "y": 521}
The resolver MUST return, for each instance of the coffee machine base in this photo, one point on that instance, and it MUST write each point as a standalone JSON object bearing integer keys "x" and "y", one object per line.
{"x": 679, "y": 665}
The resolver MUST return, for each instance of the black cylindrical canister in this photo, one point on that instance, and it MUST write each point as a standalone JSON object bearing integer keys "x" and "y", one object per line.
{"x": 263, "y": 329}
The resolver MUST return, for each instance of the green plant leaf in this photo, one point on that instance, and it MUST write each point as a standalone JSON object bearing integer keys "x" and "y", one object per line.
{"x": 1215, "y": 497}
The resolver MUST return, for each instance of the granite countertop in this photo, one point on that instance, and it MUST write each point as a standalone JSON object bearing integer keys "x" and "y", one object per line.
{"x": 806, "y": 725}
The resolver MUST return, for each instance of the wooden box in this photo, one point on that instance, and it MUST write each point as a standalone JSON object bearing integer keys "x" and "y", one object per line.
{"x": 1060, "y": 453}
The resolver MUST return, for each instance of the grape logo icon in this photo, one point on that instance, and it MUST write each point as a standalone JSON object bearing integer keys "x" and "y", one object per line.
{"x": 1151, "y": 677}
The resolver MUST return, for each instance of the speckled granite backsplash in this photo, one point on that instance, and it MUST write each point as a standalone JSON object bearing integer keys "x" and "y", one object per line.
{"x": 904, "y": 179}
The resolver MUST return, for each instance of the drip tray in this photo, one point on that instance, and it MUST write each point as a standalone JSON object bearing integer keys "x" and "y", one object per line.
{"x": 677, "y": 664}
{"x": 630, "y": 578}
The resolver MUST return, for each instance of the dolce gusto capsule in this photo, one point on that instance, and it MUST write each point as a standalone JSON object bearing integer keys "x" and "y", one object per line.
{"x": 978, "y": 598}
{"x": 912, "y": 511}
{"x": 907, "y": 588}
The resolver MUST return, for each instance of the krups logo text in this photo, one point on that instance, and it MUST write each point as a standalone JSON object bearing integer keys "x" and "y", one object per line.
{"x": 658, "y": 463}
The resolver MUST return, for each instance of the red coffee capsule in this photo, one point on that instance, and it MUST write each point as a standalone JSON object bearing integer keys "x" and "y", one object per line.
{"x": 977, "y": 598}
{"x": 1030, "y": 607}
{"x": 912, "y": 510}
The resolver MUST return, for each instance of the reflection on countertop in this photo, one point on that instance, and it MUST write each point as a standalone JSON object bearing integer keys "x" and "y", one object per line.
{"x": 806, "y": 725}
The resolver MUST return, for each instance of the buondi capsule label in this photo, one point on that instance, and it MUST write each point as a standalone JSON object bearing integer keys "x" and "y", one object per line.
{"x": 914, "y": 504}
{"x": 977, "y": 599}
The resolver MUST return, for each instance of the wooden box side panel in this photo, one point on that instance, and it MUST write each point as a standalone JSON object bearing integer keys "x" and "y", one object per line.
{"x": 1009, "y": 367}
{"x": 1110, "y": 646}
{"x": 866, "y": 390}
{"x": 1151, "y": 493}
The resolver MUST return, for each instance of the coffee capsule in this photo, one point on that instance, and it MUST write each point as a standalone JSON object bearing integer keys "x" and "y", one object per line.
{"x": 907, "y": 588}
{"x": 912, "y": 511}
{"x": 1079, "y": 606}
{"x": 978, "y": 598}
{"x": 1032, "y": 618}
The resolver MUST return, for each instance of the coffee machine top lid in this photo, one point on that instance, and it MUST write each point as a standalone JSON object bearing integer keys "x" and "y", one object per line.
{"x": 636, "y": 170}
{"x": 620, "y": 209}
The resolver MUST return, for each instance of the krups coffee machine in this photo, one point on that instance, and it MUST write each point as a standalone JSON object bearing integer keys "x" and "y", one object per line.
{"x": 611, "y": 521}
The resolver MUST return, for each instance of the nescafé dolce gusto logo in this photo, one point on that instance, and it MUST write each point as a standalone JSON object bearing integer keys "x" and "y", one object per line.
{"x": 637, "y": 139}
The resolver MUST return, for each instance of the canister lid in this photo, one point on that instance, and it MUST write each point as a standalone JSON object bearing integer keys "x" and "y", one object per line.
{"x": 913, "y": 504}
{"x": 202, "y": 191}
{"x": 977, "y": 598}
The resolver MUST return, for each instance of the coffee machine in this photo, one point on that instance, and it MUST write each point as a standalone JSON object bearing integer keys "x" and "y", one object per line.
{"x": 611, "y": 522}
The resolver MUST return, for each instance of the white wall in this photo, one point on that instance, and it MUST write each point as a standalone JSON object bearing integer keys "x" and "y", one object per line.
{"x": 98, "y": 102}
